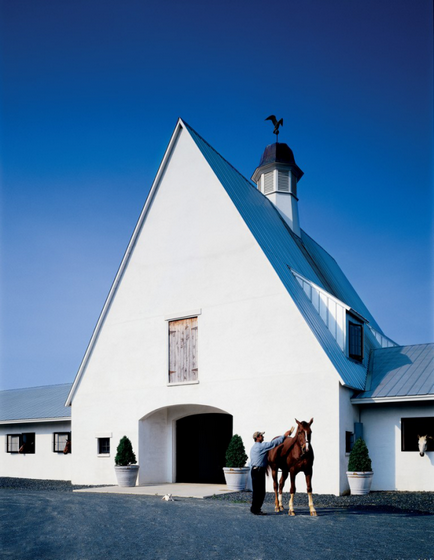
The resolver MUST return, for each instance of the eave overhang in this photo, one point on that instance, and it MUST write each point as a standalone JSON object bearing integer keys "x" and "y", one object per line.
{"x": 35, "y": 420}
{"x": 381, "y": 400}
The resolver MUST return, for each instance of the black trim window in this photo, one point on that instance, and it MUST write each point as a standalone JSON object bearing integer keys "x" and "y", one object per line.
{"x": 412, "y": 428}
{"x": 355, "y": 341}
{"x": 103, "y": 446}
{"x": 60, "y": 441}
{"x": 21, "y": 443}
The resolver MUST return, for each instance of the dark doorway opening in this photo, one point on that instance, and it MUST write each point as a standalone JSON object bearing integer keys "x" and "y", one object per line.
{"x": 201, "y": 443}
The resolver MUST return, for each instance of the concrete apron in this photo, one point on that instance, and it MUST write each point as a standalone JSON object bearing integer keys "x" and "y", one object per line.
{"x": 180, "y": 490}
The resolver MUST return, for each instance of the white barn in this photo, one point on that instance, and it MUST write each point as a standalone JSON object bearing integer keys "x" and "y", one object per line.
{"x": 226, "y": 317}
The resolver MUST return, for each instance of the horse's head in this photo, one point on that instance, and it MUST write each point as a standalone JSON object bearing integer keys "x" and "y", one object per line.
{"x": 422, "y": 444}
{"x": 304, "y": 433}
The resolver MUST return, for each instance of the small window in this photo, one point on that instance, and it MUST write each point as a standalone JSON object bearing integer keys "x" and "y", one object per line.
{"x": 62, "y": 442}
{"x": 412, "y": 428}
{"x": 21, "y": 443}
{"x": 355, "y": 341}
{"x": 13, "y": 443}
{"x": 103, "y": 446}
{"x": 349, "y": 441}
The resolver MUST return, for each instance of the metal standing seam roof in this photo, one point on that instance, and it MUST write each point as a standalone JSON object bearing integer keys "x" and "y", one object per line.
{"x": 399, "y": 372}
{"x": 35, "y": 403}
{"x": 283, "y": 250}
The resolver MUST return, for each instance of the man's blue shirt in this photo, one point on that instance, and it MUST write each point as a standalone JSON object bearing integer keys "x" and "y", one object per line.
{"x": 259, "y": 451}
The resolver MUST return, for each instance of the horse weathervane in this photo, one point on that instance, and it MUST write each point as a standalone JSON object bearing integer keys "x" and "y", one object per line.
{"x": 276, "y": 123}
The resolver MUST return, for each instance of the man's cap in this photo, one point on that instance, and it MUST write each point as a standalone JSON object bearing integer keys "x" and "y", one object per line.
{"x": 257, "y": 434}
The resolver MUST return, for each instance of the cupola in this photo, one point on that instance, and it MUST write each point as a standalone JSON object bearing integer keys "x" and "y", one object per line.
{"x": 277, "y": 177}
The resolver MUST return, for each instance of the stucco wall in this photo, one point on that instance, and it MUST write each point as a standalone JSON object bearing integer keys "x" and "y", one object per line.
{"x": 395, "y": 469}
{"x": 44, "y": 463}
{"x": 258, "y": 360}
{"x": 349, "y": 414}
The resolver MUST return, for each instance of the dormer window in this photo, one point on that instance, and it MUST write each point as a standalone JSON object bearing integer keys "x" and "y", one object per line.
{"x": 355, "y": 341}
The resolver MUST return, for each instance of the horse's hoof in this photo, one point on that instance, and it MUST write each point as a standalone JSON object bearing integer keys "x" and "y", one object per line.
{"x": 281, "y": 508}
{"x": 313, "y": 513}
{"x": 291, "y": 513}
{"x": 276, "y": 509}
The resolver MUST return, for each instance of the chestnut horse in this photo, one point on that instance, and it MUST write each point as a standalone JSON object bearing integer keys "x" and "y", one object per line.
{"x": 292, "y": 456}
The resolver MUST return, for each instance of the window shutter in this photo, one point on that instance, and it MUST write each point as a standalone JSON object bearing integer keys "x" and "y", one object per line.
{"x": 183, "y": 350}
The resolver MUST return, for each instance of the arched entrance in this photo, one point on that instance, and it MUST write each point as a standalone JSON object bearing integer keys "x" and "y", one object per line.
{"x": 183, "y": 443}
{"x": 201, "y": 443}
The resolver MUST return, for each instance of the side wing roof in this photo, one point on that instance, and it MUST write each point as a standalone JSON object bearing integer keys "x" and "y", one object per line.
{"x": 32, "y": 404}
{"x": 399, "y": 373}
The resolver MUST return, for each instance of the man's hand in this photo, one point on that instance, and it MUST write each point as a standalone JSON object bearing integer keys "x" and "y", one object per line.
{"x": 289, "y": 432}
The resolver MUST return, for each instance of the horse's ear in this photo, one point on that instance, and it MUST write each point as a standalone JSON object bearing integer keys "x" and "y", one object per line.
{"x": 418, "y": 436}
{"x": 311, "y": 422}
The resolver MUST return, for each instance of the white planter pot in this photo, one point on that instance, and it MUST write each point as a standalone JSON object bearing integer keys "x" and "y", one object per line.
{"x": 360, "y": 482}
{"x": 127, "y": 476}
{"x": 236, "y": 478}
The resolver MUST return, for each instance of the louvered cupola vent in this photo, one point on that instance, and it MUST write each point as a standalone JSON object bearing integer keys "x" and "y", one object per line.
{"x": 283, "y": 181}
{"x": 268, "y": 182}
{"x": 277, "y": 177}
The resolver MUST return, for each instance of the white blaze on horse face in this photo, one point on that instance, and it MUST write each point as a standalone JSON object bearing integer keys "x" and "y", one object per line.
{"x": 422, "y": 444}
{"x": 307, "y": 442}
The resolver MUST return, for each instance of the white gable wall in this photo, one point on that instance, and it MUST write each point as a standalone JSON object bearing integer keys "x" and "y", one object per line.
{"x": 258, "y": 360}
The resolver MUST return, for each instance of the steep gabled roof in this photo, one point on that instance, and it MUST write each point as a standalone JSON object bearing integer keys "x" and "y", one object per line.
{"x": 284, "y": 250}
{"x": 305, "y": 255}
{"x": 399, "y": 373}
{"x": 32, "y": 404}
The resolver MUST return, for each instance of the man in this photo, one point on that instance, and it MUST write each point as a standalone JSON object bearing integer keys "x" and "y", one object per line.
{"x": 258, "y": 463}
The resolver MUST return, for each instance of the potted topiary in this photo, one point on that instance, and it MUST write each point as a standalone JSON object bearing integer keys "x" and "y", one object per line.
{"x": 125, "y": 463}
{"x": 359, "y": 472}
{"x": 235, "y": 471}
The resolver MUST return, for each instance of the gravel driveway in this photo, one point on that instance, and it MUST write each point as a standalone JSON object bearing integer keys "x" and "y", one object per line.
{"x": 46, "y": 520}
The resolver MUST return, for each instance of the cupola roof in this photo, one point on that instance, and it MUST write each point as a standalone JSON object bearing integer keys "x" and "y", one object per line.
{"x": 280, "y": 153}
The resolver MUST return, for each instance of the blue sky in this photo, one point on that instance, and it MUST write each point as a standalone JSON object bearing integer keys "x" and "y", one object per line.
{"x": 90, "y": 93}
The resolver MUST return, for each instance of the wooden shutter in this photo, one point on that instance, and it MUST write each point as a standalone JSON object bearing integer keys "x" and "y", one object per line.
{"x": 183, "y": 350}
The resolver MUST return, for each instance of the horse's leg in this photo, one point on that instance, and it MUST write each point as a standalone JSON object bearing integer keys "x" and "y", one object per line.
{"x": 309, "y": 493}
{"x": 281, "y": 485}
{"x": 276, "y": 496}
{"x": 292, "y": 491}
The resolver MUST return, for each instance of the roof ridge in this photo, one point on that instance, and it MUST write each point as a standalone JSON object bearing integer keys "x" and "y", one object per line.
{"x": 36, "y": 387}
{"x": 404, "y": 346}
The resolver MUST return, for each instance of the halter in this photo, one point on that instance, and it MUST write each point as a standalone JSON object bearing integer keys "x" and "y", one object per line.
{"x": 305, "y": 447}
